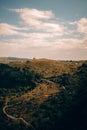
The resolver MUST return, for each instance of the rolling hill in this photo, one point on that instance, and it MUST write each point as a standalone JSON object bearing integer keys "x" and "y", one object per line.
{"x": 48, "y": 94}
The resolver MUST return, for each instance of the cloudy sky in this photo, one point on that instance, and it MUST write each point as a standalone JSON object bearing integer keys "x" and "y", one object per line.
{"x": 55, "y": 29}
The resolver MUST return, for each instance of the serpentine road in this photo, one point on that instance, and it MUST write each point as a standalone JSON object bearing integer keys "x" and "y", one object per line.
{"x": 20, "y": 119}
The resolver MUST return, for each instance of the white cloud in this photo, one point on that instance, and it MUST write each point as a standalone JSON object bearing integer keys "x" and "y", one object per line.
{"x": 58, "y": 49}
{"x": 55, "y": 28}
{"x": 35, "y": 20}
{"x": 41, "y": 34}
{"x": 40, "y": 41}
{"x": 7, "y": 29}
{"x": 69, "y": 43}
{"x": 34, "y": 13}
{"x": 33, "y": 17}
{"x": 81, "y": 25}
{"x": 40, "y": 20}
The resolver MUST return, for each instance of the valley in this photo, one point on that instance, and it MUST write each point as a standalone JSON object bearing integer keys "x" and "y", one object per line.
{"x": 43, "y": 94}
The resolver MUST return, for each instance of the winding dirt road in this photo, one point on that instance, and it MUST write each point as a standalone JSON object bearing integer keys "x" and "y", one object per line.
{"x": 20, "y": 119}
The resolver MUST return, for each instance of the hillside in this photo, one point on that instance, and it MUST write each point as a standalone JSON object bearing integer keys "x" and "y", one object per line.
{"x": 49, "y": 67}
{"x": 47, "y": 94}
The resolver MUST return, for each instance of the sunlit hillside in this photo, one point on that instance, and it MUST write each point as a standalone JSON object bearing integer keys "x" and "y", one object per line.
{"x": 43, "y": 94}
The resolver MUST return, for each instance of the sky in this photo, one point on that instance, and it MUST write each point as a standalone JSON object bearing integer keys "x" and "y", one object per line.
{"x": 53, "y": 29}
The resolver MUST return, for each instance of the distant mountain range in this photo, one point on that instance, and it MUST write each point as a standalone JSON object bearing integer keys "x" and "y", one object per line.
{"x": 12, "y": 59}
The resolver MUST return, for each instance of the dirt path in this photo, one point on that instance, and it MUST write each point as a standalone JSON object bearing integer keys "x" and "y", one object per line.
{"x": 20, "y": 119}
